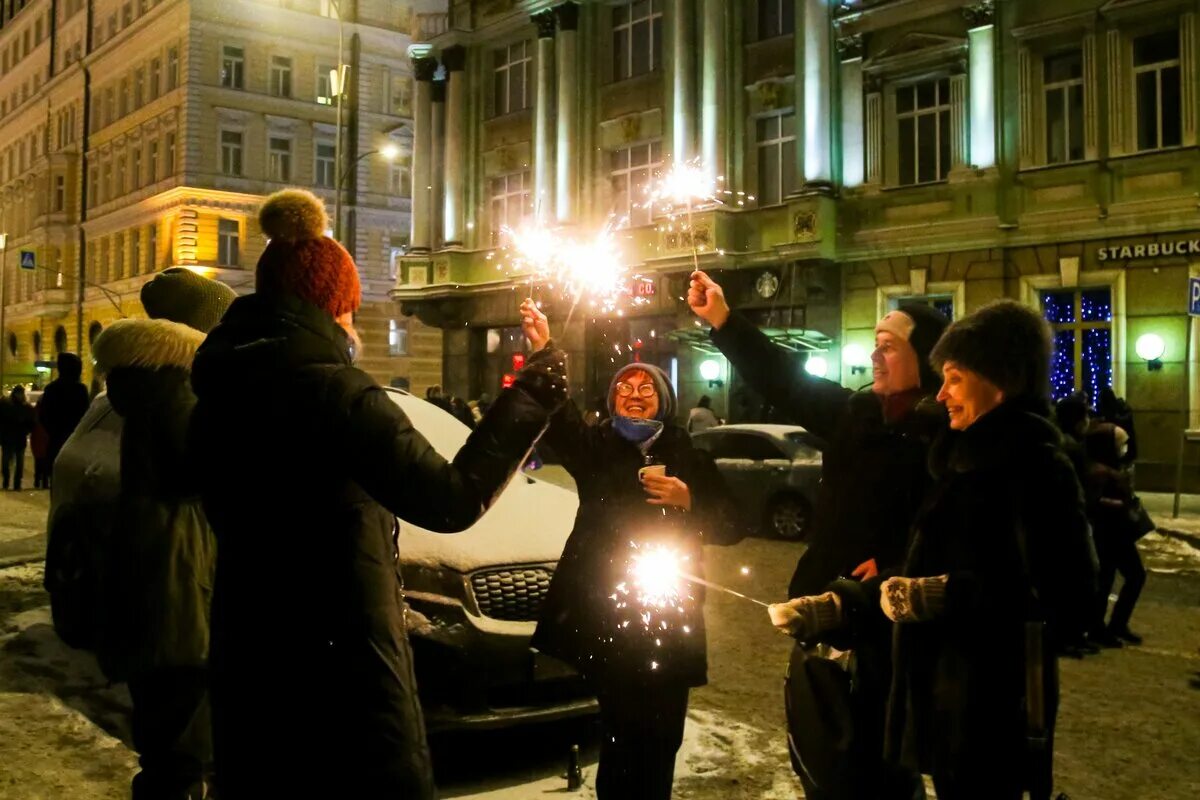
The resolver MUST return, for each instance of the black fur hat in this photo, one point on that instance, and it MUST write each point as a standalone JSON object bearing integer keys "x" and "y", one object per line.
{"x": 1006, "y": 342}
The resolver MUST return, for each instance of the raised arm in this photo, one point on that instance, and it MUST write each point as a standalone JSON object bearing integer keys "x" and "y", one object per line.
{"x": 815, "y": 403}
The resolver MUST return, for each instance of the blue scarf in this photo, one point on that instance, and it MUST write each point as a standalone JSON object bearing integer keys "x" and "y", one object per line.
{"x": 641, "y": 432}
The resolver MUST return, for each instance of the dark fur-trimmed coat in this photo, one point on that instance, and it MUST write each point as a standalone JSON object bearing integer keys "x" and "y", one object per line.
{"x": 1006, "y": 522}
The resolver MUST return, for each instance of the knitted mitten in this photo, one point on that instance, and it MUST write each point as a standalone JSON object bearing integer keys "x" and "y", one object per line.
{"x": 807, "y": 617}
{"x": 913, "y": 599}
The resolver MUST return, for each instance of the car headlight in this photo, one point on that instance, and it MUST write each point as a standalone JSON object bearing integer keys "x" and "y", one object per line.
{"x": 433, "y": 581}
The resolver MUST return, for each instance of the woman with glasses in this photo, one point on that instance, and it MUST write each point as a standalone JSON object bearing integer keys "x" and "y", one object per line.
{"x": 646, "y": 495}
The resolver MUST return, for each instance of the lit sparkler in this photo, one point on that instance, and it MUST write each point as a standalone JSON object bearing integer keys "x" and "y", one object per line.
{"x": 683, "y": 188}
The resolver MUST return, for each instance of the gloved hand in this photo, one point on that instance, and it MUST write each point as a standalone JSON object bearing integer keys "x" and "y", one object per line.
{"x": 544, "y": 377}
{"x": 913, "y": 599}
{"x": 807, "y": 617}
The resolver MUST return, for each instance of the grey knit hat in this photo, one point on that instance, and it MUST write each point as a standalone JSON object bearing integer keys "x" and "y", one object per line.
{"x": 1006, "y": 342}
{"x": 666, "y": 392}
{"x": 180, "y": 295}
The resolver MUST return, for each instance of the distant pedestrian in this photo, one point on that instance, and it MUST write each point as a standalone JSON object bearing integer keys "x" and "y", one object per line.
{"x": 1113, "y": 409}
{"x": 461, "y": 412}
{"x": 701, "y": 418}
{"x": 16, "y": 423}
{"x": 1117, "y": 524}
{"x": 39, "y": 448}
{"x": 1000, "y": 564}
{"x": 303, "y": 461}
{"x": 159, "y": 562}
{"x": 63, "y": 403}
{"x": 435, "y": 395}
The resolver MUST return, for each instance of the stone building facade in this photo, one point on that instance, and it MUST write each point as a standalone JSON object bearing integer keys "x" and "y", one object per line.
{"x": 950, "y": 151}
{"x": 141, "y": 134}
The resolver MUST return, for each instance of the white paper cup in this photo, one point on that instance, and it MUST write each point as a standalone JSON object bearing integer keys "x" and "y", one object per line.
{"x": 659, "y": 470}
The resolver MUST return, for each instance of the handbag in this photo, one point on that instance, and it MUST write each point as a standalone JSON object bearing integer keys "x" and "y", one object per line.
{"x": 1139, "y": 519}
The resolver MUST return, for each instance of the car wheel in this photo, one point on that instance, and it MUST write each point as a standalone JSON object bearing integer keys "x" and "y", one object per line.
{"x": 787, "y": 518}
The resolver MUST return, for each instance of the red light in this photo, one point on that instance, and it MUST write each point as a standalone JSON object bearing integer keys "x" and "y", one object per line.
{"x": 518, "y": 361}
{"x": 507, "y": 381}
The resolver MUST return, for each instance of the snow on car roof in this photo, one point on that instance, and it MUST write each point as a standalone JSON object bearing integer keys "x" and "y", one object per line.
{"x": 753, "y": 427}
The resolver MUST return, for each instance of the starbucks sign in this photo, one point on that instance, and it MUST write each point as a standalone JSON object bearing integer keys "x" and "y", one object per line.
{"x": 1130, "y": 252}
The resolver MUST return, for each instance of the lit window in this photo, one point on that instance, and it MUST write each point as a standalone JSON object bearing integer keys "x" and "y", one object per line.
{"x": 324, "y": 172}
{"x": 510, "y": 78}
{"x": 1158, "y": 91}
{"x": 227, "y": 243}
{"x": 324, "y": 87}
{"x": 231, "y": 152}
{"x": 281, "y": 159}
{"x": 397, "y": 337}
{"x": 233, "y": 64}
{"x": 1082, "y": 324}
{"x": 510, "y": 198}
{"x": 281, "y": 76}
{"x": 776, "y": 140}
{"x": 1063, "y": 94}
{"x": 637, "y": 38}
{"x": 633, "y": 169}
{"x": 923, "y": 131}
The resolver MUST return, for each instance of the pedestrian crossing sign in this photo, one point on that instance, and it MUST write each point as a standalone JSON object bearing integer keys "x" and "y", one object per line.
{"x": 28, "y": 260}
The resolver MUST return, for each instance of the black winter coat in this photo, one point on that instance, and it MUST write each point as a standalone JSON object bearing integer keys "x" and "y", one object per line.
{"x": 304, "y": 460}
{"x": 959, "y": 680}
{"x": 159, "y": 564}
{"x": 874, "y": 474}
{"x": 16, "y": 423}
{"x": 63, "y": 404}
{"x": 580, "y": 621}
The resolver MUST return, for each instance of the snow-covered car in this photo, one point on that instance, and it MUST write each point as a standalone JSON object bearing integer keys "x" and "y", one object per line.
{"x": 773, "y": 472}
{"x": 473, "y": 596}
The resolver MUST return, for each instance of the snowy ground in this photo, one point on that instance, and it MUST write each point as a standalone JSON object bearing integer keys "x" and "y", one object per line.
{"x": 1129, "y": 725}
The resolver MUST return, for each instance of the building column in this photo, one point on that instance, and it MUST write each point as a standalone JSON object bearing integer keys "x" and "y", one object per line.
{"x": 853, "y": 163}
{"x": 874, "y": 144}
{"x": 437, "y": 161}
{"x": 566, "y": 156}
{"x": 424, "y": 68}
{"x": 961, "y": 145}
{"x": 454, "y": 59}
{"x": 543, "y": 131}
{"x": 1115, "y": 46}
{"x": 981, "y": 53}
{"x": 712, "y": 90}
{"x": 1187, "y": 72}
{"x": 682, "y": 81}
{"x": 1026, "y": 140}
{"x": 1091, "y": 99}
{"x": 818, "y": 160}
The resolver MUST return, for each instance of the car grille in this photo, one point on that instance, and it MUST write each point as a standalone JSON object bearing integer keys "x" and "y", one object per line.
{"x": 511, "y": 594}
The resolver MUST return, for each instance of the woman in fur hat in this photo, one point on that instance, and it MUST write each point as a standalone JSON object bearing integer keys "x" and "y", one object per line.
{"x": 1001, "y": 543}
{"x": 158, "y": 566}
{"x": 640, "y": 670}
{"x": 304, "y": 461}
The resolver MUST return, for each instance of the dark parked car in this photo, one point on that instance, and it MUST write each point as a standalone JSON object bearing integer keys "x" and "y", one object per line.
{"x": 473, "y": 596}
{"x": 772, "y": 470}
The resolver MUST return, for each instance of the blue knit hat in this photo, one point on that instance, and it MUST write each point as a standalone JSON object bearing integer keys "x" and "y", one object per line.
{"x": 662, "y": 384}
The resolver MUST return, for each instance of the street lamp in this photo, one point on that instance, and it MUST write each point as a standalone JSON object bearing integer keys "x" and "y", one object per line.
{"x": 3, "y": 304}
{"x": 337, "y": 84}
{"x": 389, "y": 151}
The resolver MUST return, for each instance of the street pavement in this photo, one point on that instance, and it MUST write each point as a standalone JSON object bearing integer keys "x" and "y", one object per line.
{"x": 1129, "y": 725}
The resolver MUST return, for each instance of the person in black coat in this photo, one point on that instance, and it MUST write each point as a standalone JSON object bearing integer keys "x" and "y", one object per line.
{"x": 63, "y": 403}
{"x": 1000, "y": 553}
{"x": 640, "y": 659}
{"x": 304, "y": 462}
{"x": 873, "y": 478}
{"x": 16, "y": 423}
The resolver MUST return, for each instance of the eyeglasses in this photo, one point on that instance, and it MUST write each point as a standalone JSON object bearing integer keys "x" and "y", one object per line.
{"x": 643, "y": 390}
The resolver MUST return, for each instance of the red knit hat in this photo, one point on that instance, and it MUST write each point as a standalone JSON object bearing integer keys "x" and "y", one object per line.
{"x": 300, "y": 259}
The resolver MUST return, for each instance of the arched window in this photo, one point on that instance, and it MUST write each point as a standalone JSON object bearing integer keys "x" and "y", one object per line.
{"x": 37, "y": 345}
{"x": 60, "y": 340}
{"x": 12, "y": 344}
{"x": 94, "y": 331}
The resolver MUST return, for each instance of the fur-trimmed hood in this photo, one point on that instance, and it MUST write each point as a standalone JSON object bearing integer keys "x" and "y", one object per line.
{"x": 146, "y": 343}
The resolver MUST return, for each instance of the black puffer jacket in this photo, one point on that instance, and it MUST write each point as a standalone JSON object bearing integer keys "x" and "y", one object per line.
{"x": 874, "y": 473}
{"x": 580, "y": 621}
{"x": 959, "y": 681}
{"x": 304, "y": 459}
{"x": 159, "y": 566}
